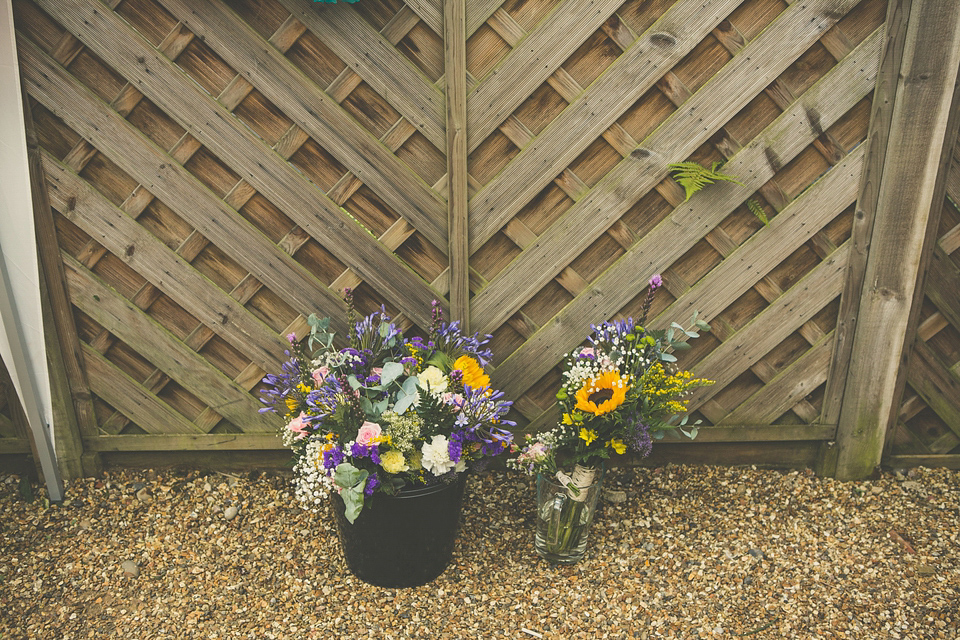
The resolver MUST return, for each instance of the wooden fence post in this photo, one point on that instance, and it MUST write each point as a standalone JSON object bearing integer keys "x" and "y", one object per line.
{"x": 909, "y": 140}
{"x": 455, "y": 64}
{"x": 72, "y": 408}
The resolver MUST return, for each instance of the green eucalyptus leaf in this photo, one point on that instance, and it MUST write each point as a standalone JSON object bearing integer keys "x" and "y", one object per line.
{"x": 353, "y": 382}
{"x": 666, "y": 357}
{"x": 391, "y": 371}
{"x": 681, "y": 346}
{"x": 703, "y": 326}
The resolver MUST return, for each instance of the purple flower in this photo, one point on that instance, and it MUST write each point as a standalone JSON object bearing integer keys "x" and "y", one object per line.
{"x": 332, "y": 457}
{"x": 372, "y": 483}
{"x": 656, "y": 281}
{"x": 291, "y": 338}
{"x": 454, "y": 447}
{"x": 640, "y": 440}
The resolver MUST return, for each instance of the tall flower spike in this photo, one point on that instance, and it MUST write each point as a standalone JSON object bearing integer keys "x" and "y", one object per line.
{"x": 436, "y": 319}
{"x": 351, "y": 316}
{"x": 655, "y": 283}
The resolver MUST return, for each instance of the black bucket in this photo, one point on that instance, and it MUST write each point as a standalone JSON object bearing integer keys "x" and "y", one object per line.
{"x": 404, "y": 540}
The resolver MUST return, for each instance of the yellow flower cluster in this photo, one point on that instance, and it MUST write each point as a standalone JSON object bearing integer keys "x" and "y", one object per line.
{"x": 473, "y": 375}
{"x": 657, "y": 384}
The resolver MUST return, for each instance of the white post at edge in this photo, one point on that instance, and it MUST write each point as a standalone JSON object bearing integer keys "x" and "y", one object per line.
{"x": 22, "y": 344}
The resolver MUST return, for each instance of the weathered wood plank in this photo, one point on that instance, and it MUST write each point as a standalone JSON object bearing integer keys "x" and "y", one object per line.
{"x": 529, "y": 65}
{"x": 173, "y": 91}
{"x": 908, "y": 202}
{"x": 788, "y": 388}
{"x": 166, "y": 352}
{"x": 14, "y": 445}
{"x": 477, "y": 13}
{"x": 177, "y": 188}
{"x": 377, "y": 61}
{"x": 638, "y": 173}
{"x": 772, "y": 325}
{"x": 455, "y": 52}
{"x": 122, "y": 236}
{"x": 948, "y": 461}
{"x": 187, "y": 442}
{"x": 936, "y": 384}
{"x": 429, "y": 11}
{"x": 628, "y": 78}
{"x": 146, "y": 410}
{"x": 318, "y": 115}
{"x": 72, "y": 410}
{"x": 944, "y": 283}
{"x": 831, "y": 98}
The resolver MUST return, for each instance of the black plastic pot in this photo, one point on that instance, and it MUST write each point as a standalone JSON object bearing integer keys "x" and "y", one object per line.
{"x": 405, "y": 540}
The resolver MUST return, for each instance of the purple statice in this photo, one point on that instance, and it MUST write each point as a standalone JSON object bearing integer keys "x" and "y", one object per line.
{"x": 372, "y": 483}
{"x": 455, "y": 447}
{"x": 639, "y": 439}
{"x": 371, "y": 451}
{"x": 332, "y": 457}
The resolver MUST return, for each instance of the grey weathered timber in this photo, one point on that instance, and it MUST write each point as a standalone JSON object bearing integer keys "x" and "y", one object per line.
{"x": 164, "y": 350}
{"x": 170, "y": 273}
{"x": 168, "y": 179}
{"x": 566, "y": 136}
{"x": 906, "y": 209}
{"x": 72, "y": 413}
{"x": 458, "y": 254}
{"x": 111, "y": 38}
{"x": 704, "y": 113}
{"x": 665, "y": 243}
{"x": 531, "y": 62}
{"x": 318, "y": 115}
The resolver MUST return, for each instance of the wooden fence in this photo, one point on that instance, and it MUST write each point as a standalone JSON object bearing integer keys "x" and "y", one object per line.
{"x": 216, "y": 171}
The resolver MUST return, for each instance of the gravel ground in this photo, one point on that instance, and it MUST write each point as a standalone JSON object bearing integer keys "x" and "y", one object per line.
{"x": 692, "y": 552}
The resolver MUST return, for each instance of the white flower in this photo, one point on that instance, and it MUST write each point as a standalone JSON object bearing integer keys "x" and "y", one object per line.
{"x": 436, "y": 456}
{"x": 433, "y": 380}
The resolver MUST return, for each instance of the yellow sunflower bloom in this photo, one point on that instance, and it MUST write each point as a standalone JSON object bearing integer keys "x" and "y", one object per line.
{"x": 473, "y": 375}
{"x": 603, "y": 394}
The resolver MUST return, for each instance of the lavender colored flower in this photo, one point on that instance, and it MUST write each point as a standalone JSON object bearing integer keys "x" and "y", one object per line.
{"x": 656, "y": 281}
{"x": 640, "y": 440}
{"x": 372, "y": 483}
{"x": 455, "y": 447}
{"x": 332, "y": 457}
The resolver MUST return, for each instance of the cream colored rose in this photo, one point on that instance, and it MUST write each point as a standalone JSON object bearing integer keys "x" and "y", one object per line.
{"x": 393, "y": 462}
{"x": 432, "y": 380}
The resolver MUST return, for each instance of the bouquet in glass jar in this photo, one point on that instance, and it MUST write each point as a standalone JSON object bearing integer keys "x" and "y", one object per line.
{"x": 618, "y": 394}
{"x": 384, "y": 412}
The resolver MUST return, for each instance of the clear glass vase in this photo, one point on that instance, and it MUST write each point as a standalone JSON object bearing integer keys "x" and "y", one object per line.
{"x": 565, "y": 508}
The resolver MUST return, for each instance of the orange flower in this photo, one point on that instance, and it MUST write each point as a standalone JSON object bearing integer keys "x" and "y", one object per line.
{"x": 473, "y": 375}
{"x": 603, "y": 394}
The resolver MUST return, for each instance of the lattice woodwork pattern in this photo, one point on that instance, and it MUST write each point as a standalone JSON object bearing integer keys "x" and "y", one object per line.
{"x": 219, "y": 170}
{"x": 929, "y": 417}
{"x": 13, "y": 425}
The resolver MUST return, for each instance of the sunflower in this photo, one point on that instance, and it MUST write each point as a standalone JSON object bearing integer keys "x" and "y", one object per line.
{"x": 603, "y": 394}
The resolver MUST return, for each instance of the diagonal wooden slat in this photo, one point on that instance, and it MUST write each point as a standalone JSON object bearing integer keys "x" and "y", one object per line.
{"x": 152, "y": 414}
{"x": 622, "y": 84}
{"x": 89, "y": 210}
{"x": 171, "y": 90}
{"x": 828, "y": 100}
{"x": 727, "y": 282}
{"x": 944, "y": 283}
{"x": 478, "y": 11}
{"x": 430, "y": 11}
{"x": 185, "y": 442}
{"x": 528, "y": 66}
{"x": 317, "y": 115}
{"x": 156, "y": 344}
{"x": 788, "y": 388}
{"x": 939, "y": 387}
{"x": 379, "y": 63}
{"x": 178, "y": 189}
{"x": 772, "y": 325}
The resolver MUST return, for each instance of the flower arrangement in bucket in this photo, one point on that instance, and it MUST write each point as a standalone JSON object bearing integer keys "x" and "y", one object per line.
{"x": 386, "y": 416}
{"x": 618, "y": 394}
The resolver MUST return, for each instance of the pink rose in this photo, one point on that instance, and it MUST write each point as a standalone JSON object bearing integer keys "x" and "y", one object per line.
{"x": 298, "y": 427}
{"x": 369, "y": 431}
{"x": 319, "y": 375}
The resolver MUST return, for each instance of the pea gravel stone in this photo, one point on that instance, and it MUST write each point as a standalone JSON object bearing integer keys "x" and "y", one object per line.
{"x": 693, "y": 552}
